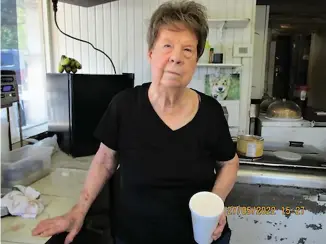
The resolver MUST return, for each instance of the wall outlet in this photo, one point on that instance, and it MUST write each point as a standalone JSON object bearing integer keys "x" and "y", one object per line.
{"x": 242, "y": 50}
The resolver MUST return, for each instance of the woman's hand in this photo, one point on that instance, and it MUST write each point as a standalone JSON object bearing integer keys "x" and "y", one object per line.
{"x": 70, "y": 222}
{"x": 219, "y": 229}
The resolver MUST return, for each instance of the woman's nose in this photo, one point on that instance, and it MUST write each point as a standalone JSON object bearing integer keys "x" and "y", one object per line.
{"x": 176, "y": 56}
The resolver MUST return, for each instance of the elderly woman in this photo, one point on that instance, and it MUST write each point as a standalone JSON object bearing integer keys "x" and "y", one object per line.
{"x": 166, "y": 138}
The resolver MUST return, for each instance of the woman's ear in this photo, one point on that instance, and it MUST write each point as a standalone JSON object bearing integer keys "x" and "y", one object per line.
{"x": 149, "y": 54}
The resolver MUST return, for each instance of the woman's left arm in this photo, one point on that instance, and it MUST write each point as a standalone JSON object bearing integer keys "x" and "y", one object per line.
{"x": 224, "y": 183}
{"x": 225, "y": 155}
{"x": 226, "y": 178}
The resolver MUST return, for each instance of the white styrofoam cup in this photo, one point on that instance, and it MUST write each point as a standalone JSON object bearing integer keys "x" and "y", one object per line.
{"x": 206, "y": 209}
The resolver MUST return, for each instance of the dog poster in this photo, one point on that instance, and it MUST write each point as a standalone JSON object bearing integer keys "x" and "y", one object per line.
{"x": 223, "y": 87}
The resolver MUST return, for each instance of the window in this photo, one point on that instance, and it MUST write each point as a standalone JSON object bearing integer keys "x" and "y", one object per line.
{"x": 22, "y": 50}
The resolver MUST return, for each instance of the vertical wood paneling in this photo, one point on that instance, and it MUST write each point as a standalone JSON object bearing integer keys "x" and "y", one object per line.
{"x": 123, "y": 36}
{"x": 75, "y": 24}
{"x": 68, "y": 28}
{"x": 130, "y": 45}
{"x": 92, "y": 39}
{"x": 84, "y": 49}
{"x": 108, "y": 69}
{"x": 147, "y": 11}
{"x": 118, "y": 29}
{"x": 99, "y": 30}
{"x": 60, "y": 38}
{"x": 115, "y": 32}
{"x": 139, "y": 23}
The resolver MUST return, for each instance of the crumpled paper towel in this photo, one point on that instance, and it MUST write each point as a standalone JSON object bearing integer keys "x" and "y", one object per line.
{"x": 23, "y": 201}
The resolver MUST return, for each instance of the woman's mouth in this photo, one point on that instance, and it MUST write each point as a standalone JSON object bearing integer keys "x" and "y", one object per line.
{"x": 173, "y": 73}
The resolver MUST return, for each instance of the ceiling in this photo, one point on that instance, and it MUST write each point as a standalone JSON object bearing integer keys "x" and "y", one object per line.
{"x": 296, "y": 15}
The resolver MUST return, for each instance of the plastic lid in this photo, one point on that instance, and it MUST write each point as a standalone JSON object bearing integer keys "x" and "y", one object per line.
{"x": 283, "y": 109}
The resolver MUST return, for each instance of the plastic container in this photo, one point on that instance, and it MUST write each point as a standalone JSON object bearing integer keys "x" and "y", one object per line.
{"x": 25, "y": 165}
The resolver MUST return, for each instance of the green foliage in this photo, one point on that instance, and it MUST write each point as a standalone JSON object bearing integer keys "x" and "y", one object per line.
{"x": 234, "y": 91}
{"x": 13, "y": 18}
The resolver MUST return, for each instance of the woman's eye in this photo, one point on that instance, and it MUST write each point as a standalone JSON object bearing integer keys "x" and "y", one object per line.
{"x": 167, "y": 45}
{"x": 188, "y": 50}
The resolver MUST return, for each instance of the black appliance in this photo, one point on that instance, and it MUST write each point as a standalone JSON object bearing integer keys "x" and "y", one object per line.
{"x": 76, "y": 104}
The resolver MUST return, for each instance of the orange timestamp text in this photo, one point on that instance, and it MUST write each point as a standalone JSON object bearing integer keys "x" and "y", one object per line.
{"x": 298, "y": 210}
{"x": 251, "y": 210}
{"x": 262, "y": 210}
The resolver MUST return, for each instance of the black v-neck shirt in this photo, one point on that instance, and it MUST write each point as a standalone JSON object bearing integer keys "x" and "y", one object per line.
{"x": 161, "y": 168}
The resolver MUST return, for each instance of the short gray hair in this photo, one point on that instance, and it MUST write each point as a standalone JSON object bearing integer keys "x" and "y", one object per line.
{"x": 193, "y": 15}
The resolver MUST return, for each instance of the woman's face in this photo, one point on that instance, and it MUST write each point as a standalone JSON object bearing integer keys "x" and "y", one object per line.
{"x": 173, "y": 57}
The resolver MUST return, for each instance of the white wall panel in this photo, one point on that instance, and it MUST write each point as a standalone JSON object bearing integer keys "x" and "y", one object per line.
{"x": 107, "y": 38}
{"x": 119, "y": 30}
{"x": 260, "y": 49}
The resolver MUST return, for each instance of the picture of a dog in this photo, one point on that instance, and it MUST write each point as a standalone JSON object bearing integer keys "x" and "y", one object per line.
{"x": 220, "y": 88}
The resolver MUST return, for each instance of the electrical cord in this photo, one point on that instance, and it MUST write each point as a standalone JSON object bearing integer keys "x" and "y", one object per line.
{"x": 55, "y": 9}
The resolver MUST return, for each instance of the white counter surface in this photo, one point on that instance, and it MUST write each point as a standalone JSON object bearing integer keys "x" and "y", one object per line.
{"x": 59, "y": 190}
{"x": 17, "y": 229}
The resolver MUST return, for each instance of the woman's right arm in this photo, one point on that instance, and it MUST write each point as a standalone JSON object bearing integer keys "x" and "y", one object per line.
{"x": 102, "y": 168}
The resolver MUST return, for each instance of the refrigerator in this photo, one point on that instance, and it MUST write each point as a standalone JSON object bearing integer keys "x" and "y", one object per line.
{"x": 76, "y": 104}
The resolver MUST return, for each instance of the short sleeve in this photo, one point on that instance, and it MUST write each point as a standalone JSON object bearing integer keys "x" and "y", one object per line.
{"x": 224, "y": 146}
{"x": 107, "y": 130}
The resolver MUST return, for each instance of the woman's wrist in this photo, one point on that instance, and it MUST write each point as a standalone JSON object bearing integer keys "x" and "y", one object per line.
{"x": 80, "y": 208}
{"x": 219, "y": 193}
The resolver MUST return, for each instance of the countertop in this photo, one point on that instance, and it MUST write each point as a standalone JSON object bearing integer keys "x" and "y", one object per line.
{"x": 60, "y": 191}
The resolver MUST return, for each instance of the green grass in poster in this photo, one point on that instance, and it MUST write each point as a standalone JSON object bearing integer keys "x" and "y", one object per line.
{"x": 223, "y": 87}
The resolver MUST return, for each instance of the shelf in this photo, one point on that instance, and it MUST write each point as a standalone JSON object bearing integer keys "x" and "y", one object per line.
{"x": 218, "y": 65}
{"x": 228, "y": 23}
{"x": 225, "y": 23}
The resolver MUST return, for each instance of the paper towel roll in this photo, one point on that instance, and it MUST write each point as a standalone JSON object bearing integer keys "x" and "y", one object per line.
{"x": 4, "y": 136}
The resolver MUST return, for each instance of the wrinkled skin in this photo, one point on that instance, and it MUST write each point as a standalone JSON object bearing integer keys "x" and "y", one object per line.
{"x": 70, "y": 222}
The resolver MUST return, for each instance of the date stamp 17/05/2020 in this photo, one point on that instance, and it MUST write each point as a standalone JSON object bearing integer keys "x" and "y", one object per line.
{"x": 263, "y": 210}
